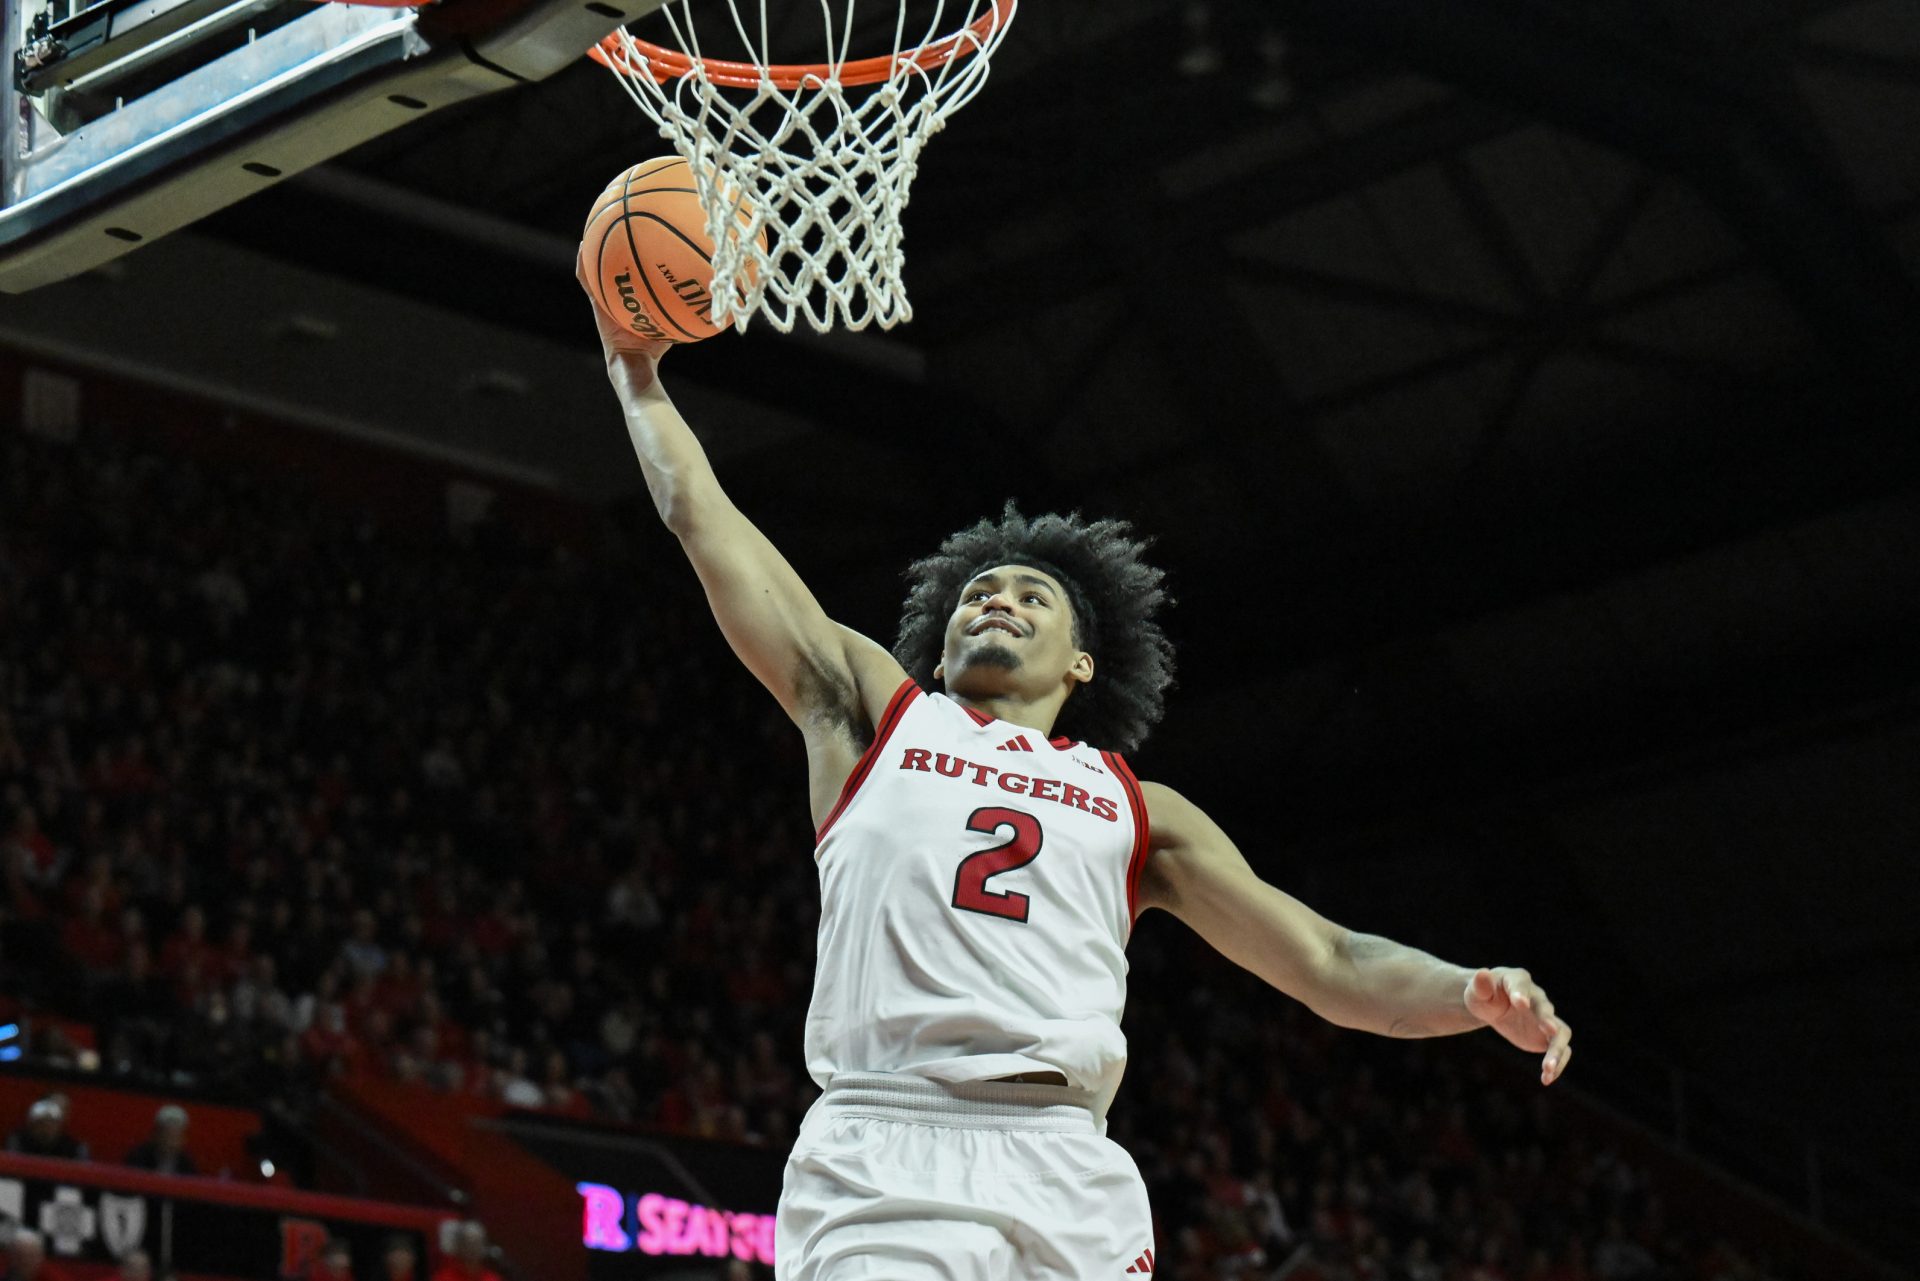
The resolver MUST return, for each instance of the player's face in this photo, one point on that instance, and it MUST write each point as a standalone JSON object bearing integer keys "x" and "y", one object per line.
{"x": 1012, "y": 624}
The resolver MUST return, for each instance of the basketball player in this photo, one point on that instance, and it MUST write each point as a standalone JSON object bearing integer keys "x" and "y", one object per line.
{"x": 981, "y": 863}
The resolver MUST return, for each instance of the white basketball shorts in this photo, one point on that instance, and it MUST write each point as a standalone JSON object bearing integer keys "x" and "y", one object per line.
{"x": 895, "y": 1178}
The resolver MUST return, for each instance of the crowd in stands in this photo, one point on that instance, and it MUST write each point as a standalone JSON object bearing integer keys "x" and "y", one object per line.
{"x": 287, "y": 796}
{"x": 24, "y": 1257}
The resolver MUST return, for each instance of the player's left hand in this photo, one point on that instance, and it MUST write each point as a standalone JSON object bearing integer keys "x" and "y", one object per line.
{"x": 1512, "y": 1004}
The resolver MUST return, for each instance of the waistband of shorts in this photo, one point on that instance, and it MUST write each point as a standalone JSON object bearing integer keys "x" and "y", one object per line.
{"x": 963, "y": 1105}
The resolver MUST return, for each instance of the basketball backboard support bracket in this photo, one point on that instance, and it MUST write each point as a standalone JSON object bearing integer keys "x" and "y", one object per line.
{"x": 300, "y": 93}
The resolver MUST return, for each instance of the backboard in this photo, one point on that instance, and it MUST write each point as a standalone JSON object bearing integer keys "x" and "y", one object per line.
{"x": 129, "y": 119}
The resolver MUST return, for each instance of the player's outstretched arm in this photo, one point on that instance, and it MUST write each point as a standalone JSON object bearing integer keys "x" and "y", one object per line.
{"x": 826, "y": 677}
{"x": 1356, "y": 980}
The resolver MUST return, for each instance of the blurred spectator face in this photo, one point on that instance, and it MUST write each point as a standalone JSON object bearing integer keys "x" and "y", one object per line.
{"x": 470, "y": 1243}
{"x": 399, "y": 1262}
{"x": 46, "y": 1121}
{"x": 26, "y": 1256}
{"x": 336, "y": 1262}
{"x": 136, "y": 1267}
{"x": 170, "y": 1129}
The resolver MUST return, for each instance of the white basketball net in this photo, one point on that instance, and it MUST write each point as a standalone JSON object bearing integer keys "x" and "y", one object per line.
{"x": 823, "y": 167}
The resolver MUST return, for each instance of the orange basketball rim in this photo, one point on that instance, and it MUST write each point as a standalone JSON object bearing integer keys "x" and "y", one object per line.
{"x": 664, "y": 64}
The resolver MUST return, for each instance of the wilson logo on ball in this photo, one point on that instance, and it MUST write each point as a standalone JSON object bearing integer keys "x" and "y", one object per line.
{"x": 647, "y": 251}
{"x": 640, "y": 321}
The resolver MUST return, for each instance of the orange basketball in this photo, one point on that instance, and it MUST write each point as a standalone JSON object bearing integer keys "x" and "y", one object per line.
{"x": 647, "y": 247}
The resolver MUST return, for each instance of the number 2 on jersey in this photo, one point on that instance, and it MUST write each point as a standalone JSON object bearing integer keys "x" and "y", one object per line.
{"x": 970, "y": 892}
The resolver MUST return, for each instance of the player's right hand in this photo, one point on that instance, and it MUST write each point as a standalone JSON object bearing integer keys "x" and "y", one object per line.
{"x": 640, "y": 356}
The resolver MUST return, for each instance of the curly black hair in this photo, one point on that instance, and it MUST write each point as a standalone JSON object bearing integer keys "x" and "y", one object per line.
{"x": 1115, "y": 596}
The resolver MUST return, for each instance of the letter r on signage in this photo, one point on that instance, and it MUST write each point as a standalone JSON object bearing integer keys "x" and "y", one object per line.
{"x": 602, "y": 1210}
{"x": 301, "y": 1241}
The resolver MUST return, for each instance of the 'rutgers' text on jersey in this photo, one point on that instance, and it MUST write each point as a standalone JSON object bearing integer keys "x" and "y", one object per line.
{"x": 977, "y": 886}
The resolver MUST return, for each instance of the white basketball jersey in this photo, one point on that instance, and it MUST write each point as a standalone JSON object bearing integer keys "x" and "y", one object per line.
{"x": 977, "y": 887}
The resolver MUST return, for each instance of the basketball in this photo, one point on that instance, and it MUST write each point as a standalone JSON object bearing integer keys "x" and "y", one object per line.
{"x": 647, "y": 247}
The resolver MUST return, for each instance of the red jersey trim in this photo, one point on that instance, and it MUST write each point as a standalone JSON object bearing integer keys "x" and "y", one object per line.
{"x": 1137, "y": 864}
{"x": 982, "y": 719}
{"x": 889, "y": 721}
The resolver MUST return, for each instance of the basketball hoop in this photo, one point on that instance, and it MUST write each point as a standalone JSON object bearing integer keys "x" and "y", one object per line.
{"x": 785, "y": 148}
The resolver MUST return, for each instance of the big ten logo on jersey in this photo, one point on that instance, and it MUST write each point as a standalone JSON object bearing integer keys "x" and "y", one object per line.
{"x": 1013, "y": 781}
{"x": 301, "y": 1243}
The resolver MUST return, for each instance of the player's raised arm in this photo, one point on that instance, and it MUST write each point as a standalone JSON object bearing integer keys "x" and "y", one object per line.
{"x": 824, "y": 675}
{"x": 1356, "y": 980}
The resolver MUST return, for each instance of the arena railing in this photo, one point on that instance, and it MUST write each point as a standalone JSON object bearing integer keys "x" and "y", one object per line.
{"x": 96, "y": 1214}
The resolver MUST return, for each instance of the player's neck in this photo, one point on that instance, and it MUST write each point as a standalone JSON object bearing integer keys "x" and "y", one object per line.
{"x": 1013, "y": 709}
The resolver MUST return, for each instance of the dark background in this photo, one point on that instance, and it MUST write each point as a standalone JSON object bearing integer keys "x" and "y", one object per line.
{"x": 1522, "y": 395}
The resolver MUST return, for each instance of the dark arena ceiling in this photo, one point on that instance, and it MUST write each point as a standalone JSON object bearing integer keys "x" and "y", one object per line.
{"x": 1522, "y": 392}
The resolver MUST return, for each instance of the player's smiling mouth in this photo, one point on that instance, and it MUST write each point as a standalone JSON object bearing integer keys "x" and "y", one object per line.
{"x": 1001, "y": 623}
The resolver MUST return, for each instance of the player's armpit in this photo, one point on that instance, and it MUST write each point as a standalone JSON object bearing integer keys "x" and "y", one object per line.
{"x": 1195, "y": 871}
{"x": 877, "y": 674}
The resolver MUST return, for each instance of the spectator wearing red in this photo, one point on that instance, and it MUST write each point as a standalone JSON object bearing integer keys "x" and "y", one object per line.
{"x": 399, "y": 989}
{"x": 185, "y": 955}
{"x": 23, "y": 896}
{"x": 88, "y": 938}
{"x": 755, "y": 983}
{"x": 449, "y": 1038}
{"x": 96, "y": 876}
{"x": 327, "y": 1044}
{"x": 377, "y": 1044}
{"x": 475, "y": 1068}
{"x": 558, "y": 1088}
{"x": 467, "y": 1256}
{"x": 40, "y": 856}
{"x": 129, "y": 772}
{"x": 234, "y": 957}
{"x": 493, "y": 932}
{"x": 362, "y": 1003}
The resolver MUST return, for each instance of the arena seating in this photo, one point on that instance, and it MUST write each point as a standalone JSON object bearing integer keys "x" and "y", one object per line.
{"x": 289, "y": 795}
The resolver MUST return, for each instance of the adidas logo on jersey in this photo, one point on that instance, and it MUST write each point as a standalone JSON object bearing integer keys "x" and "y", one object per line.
{"x": 1018, "y": 743}
{"x": 1142, "y": 1264}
